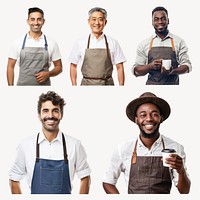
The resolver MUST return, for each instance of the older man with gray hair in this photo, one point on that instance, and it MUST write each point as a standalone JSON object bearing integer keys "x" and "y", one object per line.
{"x": 97, "y": 54}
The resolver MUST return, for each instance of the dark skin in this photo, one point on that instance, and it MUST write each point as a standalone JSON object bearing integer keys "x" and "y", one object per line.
{"x": 148, "y": 119}
{"x": 160, "y": 22}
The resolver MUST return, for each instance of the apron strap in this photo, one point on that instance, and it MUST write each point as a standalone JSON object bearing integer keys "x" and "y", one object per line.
{"x": 134, "y": 156}
{"x": 45, "y": 45}
{"x": 106, "y": 42}
{"x": 37, "y": 149}
{"x": 151, "y": 44}
{"x": 107, "y": 47}
{"x": 64, "y": 149}
{"x": 163, "y": 143}
{"x": 172, "y": 43}
{"x": 24, "y": 41}
{"x": 88, "y": 44}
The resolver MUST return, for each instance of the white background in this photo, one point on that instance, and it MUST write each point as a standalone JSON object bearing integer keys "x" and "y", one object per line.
{"x": 96, "y": 115}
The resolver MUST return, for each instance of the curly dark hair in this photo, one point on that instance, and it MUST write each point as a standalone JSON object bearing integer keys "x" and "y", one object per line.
{"x": 53, "y": 97}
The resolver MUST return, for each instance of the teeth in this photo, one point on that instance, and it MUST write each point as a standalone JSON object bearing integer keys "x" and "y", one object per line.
{"x": 148, "y": 126}
{"x": 50, "y": 121}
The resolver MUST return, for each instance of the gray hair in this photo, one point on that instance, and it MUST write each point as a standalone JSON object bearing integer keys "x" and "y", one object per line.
{"x": 97, "y": 9}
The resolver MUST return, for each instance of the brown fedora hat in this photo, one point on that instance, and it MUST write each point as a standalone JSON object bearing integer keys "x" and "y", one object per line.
{"x": 148, "y": 97}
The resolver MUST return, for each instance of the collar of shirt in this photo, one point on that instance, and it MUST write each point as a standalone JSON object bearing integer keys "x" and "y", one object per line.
{"x": 31, "y": 38}
{"x": 43, "y": 138}
{"x": 94, "y": 38}
{"x": 155, "y": 144}
{"x": 169, "y": 35}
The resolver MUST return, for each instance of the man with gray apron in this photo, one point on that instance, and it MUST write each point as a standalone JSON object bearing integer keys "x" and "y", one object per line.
{"x": 35, "y": 53}
{"x": 97, "y": 66}
{"x": 32, "y": 61}
{"x": 152, "y": 53}
{"x": 141, "y": 159}
{"x": 97, "y": 54}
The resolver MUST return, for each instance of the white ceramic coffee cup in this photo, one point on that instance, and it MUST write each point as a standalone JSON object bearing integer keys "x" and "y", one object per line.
{"x": 165, "y": 154}
{"x": 167, "y": 64}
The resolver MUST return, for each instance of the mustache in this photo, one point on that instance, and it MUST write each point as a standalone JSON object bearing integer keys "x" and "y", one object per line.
{"x": 50, "y": 118}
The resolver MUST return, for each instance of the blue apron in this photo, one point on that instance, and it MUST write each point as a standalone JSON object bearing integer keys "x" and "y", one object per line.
{"x": 51, "y": 176}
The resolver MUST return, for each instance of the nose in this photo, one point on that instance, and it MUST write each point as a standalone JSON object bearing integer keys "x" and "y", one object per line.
{"x": 96, "y": 21}
{"x": 50, "y": 114}
{"x": 148, "y": 117}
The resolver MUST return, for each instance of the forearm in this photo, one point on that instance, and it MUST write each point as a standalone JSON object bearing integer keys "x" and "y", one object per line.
{"x": 10, "y": 76}
{"x": 120, "y": 72}
{"x": 73, "y": 74}
{"x": 180, "y": 70}
{"x": 15, "y": 187}
{"x": 57, "y": 68}
{"x": 183, "y": 183}
{"x": 142, "y": 70}
{"x": 110, "y": 189}
{"x": 10, "y": 71}
{"x": 85, "y": 185}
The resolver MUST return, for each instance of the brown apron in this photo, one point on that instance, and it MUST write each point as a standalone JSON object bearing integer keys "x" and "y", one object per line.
{"x": 155, "y": 77}
{"x": 97, "y": 66}
{"x": 148, "y": 175}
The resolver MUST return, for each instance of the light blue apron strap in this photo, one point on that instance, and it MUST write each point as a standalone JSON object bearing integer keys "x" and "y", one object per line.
{"x": 23, "y": 45}
{"x": 46, "y": 45}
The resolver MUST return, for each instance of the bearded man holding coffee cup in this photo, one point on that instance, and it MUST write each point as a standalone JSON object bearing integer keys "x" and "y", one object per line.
{"x": 163, "y": 45}
{"x": 141, "y": 159}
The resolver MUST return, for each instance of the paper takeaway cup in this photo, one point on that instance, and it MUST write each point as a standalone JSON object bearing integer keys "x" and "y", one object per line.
{"x": 167, "y": 64}
{"x": 165, "y": 154}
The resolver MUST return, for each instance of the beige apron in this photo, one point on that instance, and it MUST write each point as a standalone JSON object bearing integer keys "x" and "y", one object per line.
{"x": 148, "y": 175}
{"x": 97, "y": 66}
{"x": 155, "y": 77}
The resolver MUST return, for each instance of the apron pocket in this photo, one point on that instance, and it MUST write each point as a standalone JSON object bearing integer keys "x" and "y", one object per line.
{"x": 53, "y": 177}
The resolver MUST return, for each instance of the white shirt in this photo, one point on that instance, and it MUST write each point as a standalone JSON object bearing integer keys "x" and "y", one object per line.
{"x": 26, "y": 155}
{"x": 121, "y": 158}
{"x": 78, "y": 51}
{"x": 181, "y": 49}
{"x": 53, "y": 49}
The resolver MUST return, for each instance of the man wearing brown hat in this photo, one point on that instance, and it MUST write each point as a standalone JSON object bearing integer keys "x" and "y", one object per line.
{"x": 140, "y": 159}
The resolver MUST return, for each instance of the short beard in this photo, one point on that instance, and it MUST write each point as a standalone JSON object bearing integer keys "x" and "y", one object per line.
{"x": 163, "y": 32}
{"x": 155, "y": 134}
{"x": 149, "y": 136}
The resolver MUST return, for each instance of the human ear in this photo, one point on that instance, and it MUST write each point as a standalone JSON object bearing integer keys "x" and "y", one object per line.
{"x": 39, "y": 117}
{"x": 161, "y": 119}
{"x": 136, "y": 120}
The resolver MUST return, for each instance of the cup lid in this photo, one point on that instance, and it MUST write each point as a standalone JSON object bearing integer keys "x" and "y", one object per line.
{"x": 168, "y": 150}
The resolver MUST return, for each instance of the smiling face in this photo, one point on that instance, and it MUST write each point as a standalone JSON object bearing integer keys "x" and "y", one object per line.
{"x": 97, "y": 23}
{"x": 35, "y": 21}
{"x": 148, "y": 118}
{"x": 160, "y": 22}
{"x": 50, "y": 116}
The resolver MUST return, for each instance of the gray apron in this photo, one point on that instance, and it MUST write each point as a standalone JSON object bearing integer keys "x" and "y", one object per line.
{"x": 32, "y": 61}
{"x": 148, "y": 175}
{"x": 97, "y": 66}
{"x": 155, "y": 77}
